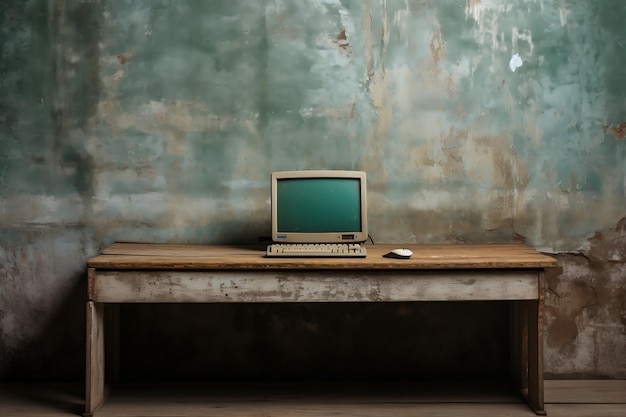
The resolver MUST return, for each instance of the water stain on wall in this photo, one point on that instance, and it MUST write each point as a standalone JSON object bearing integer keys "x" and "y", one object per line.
{"x": 586, "y": 318}
{"x": 161, "y": 121}
{"x": 562, "y": 334}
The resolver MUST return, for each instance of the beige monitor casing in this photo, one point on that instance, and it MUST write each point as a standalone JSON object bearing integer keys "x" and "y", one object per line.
{"x": 327, "y": 237}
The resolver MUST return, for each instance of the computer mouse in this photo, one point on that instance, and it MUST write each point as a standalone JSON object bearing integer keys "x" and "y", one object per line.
{"x": 399, "y": 254}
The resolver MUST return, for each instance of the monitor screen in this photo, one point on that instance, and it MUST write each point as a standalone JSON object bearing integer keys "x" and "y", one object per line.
{"x": 319, "y": 206}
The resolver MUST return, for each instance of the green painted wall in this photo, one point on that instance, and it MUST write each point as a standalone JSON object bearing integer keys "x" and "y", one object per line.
{"x": 162, "y": 120}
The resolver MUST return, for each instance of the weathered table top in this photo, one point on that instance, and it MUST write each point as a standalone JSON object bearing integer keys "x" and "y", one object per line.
{"x": 231, "y": 257}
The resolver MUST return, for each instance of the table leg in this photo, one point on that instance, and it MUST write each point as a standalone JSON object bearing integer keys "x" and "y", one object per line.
{"x": 94, "y": 395}
{"x": 519, "y": 344}
{"x": 535, "y": 350}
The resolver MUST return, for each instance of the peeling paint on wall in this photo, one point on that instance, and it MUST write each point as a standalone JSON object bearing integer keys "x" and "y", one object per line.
{"x": 162, "y": 121}
{"x": 586, "y": 318}
{"x": 618, "y": 131}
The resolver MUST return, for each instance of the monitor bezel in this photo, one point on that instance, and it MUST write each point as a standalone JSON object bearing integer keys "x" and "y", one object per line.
{"x": 324, "y": 237}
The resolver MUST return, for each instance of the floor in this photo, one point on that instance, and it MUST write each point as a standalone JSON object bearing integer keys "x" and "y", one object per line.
{"x": 580, "y": 398}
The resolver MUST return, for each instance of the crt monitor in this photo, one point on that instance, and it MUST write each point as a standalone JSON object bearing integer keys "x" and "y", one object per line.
{"x": 319, "y": 206}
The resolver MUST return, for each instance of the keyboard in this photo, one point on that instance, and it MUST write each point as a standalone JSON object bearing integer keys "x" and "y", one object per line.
{"x": 320, "y": 250}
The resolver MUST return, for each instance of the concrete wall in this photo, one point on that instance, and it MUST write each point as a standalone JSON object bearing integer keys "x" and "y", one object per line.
{"x": 161, "y": 121}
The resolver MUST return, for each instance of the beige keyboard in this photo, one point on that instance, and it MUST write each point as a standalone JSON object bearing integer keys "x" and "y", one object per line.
{"x": 320, "y": 250}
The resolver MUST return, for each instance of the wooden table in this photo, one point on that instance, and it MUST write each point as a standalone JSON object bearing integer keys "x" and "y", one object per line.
{"x": 161, "y": 273}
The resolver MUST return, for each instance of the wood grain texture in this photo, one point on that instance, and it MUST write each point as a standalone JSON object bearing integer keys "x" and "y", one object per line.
{"x": 389, "y": 398}
{"x": 564, "y": 398}
{"x": 94, "y": 386}
{"x": 166, "y": 256}
{"x": 166, "y": 286}
{"x": 592, "y": 410}
{"x": 605, "y": 391}
{"x": 312, "y": 409}
{"x": 534, "y": 394}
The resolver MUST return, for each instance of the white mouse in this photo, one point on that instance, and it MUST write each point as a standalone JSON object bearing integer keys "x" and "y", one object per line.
{"x": 399, "y": 253}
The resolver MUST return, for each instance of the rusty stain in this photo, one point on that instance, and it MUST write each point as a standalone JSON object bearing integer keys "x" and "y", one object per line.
{"x": 618, "y": 131}
{"x": 436, "y": 46}
{"x": 450, "y": 84}
{"x": 342, "y": 40}
{"x": 123, "y": 59}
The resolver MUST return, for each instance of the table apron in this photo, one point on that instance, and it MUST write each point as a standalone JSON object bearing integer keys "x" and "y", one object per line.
{"x": 254, "y": 286}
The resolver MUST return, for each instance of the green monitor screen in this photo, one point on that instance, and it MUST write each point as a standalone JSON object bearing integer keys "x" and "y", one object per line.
{"x": 319, "y": 206}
